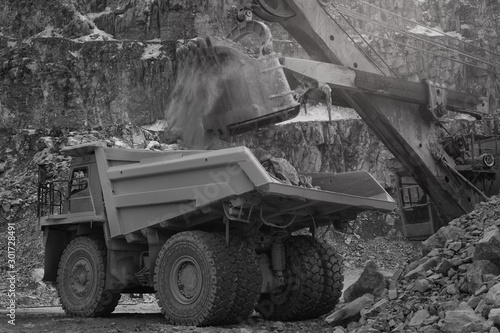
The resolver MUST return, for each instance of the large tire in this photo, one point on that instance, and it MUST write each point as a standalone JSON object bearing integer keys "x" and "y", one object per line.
{"x": 249, "y": 281}
{"x": 333, "y": 277}
{"x": 303, "y": 283}
{"x": 194, "y": 279}
{"x": 81, "y": 279}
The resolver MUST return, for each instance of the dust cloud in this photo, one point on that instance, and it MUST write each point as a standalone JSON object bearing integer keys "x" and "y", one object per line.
{"x": 199, "y": 85}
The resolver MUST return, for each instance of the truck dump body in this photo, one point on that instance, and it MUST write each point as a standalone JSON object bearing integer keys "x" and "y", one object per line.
{"x": 179, "y": 190}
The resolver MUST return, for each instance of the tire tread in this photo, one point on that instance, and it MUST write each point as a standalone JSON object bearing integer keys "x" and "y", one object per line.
{"x": 249, "y": 281}
{"x": 224, "y": 282}
{"x": 102, "y": 304}
{"x": 311, "y": 281}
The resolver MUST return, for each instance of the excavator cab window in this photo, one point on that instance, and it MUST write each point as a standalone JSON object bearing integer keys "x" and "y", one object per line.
{"x": 415, "y": 202}
{"x": 416, "y": 209}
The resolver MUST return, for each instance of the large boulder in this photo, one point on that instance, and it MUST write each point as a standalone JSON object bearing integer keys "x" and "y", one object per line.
{"x": 423, "y": 267}
{"x": 477, "y": 270}
{"x": 422, "y": 285}
{"x": 418, "y": 318}
{"x": 493, "y": 296}
{"x": 350, "y": 310}
{"x": 455, "y": 320}
{"x": 371, "y": 281}
{"x": 494, "y": 316}
{"x": 377, "y": 308}
{"x": 488, "y": 248}
{"x": 282, "y": 169}
{"x": 438, "y": 240}
{"x": 443, "y": 267}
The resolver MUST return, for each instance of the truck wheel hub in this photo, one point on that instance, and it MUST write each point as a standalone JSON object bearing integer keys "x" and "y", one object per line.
{"x": 80, "y": 282}
{"x": 186, "y": 280}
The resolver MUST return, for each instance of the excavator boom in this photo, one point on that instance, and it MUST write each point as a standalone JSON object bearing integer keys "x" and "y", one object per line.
{"x": 407, "y": 120}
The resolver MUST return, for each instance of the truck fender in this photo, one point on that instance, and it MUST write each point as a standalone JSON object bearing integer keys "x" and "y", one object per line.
{"x": 55, "y": 242}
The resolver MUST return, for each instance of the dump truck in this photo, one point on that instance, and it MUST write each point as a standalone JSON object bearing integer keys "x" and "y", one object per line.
{"x": 212, "y": 233}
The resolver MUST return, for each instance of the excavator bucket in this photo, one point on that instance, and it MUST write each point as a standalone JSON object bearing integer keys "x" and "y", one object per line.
{"x": 230, "y": 90}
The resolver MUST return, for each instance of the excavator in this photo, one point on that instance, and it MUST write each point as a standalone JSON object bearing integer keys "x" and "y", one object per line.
{"x": 439, "y": 178}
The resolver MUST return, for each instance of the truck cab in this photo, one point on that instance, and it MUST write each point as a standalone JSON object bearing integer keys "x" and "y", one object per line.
{"x": 77, "y": 199}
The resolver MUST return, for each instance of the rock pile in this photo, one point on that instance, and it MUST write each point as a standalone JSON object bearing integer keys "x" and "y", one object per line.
{"x": 453, "y": 287}
{"x": 281, "y": 169}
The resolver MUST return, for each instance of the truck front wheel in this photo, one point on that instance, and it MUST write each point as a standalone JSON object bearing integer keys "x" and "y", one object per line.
{"x": 81, "y": 279}
{"x": 195, "y": 279}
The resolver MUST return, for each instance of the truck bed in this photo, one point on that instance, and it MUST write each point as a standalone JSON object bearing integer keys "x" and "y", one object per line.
{"x": 183, "y": 189}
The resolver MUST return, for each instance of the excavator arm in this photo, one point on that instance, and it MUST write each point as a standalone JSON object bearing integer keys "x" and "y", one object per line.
{"x": 404, "y": 115}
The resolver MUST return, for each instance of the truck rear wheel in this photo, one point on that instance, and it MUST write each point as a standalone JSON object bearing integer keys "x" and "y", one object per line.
{"x": 303, "y": 283}
{"x": 333, "y": 278}
{"x": 81, "y": 279}
{"x": 195, "y": 279}
{"x": 249, "y": 281}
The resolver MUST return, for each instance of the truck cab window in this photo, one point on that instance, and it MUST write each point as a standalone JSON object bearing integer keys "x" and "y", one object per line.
{"x": 79, "y": 180}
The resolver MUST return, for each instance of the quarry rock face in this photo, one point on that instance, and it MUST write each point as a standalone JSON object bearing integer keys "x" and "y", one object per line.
{"x": 56, "y": 82}
{"x": 143, "y": 20}
{"x": 139, "y": 20}
{"x": 168, "y": 20}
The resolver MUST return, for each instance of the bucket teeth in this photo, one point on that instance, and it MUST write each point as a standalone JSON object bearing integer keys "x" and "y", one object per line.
{"x": 198, "y": 52}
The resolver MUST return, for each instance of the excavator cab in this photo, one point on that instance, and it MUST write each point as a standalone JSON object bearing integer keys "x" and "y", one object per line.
{"x": 417, "y": 212}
